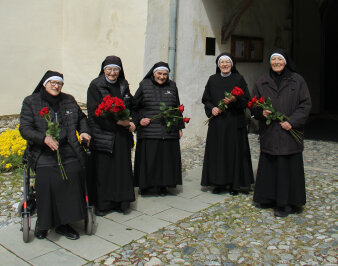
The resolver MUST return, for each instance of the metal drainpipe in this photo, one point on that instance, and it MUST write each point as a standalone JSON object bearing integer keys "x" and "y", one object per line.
{"x": 172, "y": 38}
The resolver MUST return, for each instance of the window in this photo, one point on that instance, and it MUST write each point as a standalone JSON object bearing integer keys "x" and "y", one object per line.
{"x": 210, "y": 46}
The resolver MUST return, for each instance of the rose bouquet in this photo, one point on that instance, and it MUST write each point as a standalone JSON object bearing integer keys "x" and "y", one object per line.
{"x": 171, "y": 115}
{"x": 53, "y": 130}
{"x": 267, "y": 105}
{"x": 236, "y": 91}
{"x": 114, "y": 106}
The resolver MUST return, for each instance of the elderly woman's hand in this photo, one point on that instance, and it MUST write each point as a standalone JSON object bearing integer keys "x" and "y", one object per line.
{"x": 86, "y": 137}
{"x": 266, "y": 113}
{"x": 124, "y": 123}
{"x": 227, "y": 100}
{"x": 132, "y": 127}
{"x": 51, "y": 143}
{"x": 216, "y": 111}
{"x": 286, "y": 125}
{"x": 144, "y": 122}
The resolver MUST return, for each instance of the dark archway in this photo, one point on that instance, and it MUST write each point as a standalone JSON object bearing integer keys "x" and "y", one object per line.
{"x": 329, "y": 17}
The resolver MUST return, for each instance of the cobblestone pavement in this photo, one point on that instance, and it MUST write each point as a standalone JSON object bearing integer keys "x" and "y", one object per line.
{"x": 233, "y": 231}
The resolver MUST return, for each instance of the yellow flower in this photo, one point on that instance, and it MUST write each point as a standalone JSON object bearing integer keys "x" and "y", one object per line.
{"x": 8, "y": 165}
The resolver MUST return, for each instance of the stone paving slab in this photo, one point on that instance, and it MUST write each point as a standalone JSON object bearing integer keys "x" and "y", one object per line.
{"x": 173, "y": 215}
{"x": 146, "y": 223}
{"x": 87, "y": 247}
{"x": 8, "y": 258}
{"x": 209, "y": 198}
{"x": 57, "y": 258}
{"x": 119, "y": 234}
{"x": 149, "y": 205}
{"x": 121, "y": 217}
{"x": 11, "y": 238}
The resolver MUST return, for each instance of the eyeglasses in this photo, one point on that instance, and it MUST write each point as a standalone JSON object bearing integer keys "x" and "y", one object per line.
{"x": 54, "y": 83}
{"x": 224, "y": 62}
{"x": 109, "y": 69}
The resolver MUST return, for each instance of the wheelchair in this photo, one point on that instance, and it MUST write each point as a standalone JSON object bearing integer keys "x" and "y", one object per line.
{"x": 28, "y": 206}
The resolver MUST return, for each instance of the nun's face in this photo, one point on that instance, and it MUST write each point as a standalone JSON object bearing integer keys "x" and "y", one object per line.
{"x": 161, "y": 76}
{"x": 54, "y": 87}
{"x": 224, "y": 65}
{"x": 277, "y": 64}
{"x": 112, "y": 73}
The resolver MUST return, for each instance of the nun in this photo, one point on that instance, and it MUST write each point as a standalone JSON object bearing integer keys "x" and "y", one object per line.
{"x": 110, "y": 162}
{"x": 227, "y": 161}
{"x": 158, "y": 155}
{"x": 60, "y": 200}
{"x": 280, "y": 181}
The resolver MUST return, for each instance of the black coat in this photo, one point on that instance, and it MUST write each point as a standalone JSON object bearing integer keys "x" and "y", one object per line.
{"x": 104, "y": 128}
{"x": 146, "y": 104}
{"x": 33, "y": 127}
{"x": 292, "y": 98}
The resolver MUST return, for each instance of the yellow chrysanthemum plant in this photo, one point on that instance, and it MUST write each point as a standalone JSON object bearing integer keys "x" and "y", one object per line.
{"x": 12, "y": 147}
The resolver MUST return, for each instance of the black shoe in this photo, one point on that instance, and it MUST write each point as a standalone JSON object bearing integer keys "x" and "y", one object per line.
{"x": 101, "y": 212}
{"x": 124, "y": 206}
{"x": 143, "y": 191}
{"x": 40, "y": 234}
{"x": 217, "y": 190}
{"x": 162, "y": 191}
{"x": 234, "y": 192}
{"x": 296, "y": 209}
{"x": 282, "y": 211}
{"x": 67, "y": 231}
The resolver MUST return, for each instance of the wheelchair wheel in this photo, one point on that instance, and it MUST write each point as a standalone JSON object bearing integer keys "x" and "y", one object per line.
{"x": 89, "y": 222}
{"x": 25, "y": 228}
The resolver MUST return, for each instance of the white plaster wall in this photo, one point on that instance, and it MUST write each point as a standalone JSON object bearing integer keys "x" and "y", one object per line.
{"x": 198, "y": 19}
{"x": 93, "y": 30}
{"x": 157, "y": 33}
{"x": 29, "y": 33}
{"x": 72, "y": 37}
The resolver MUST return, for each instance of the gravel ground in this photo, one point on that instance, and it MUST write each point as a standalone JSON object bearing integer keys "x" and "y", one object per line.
{"x": 234, "y": 231}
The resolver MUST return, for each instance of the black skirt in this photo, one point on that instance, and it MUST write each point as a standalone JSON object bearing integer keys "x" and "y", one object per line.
{"x": 227, "y": 159}
{"x": 59, "y": 201}
{"x": 280, "y": 180}
{"x": 157, "y": 163}
{"x": 111, "y": 176}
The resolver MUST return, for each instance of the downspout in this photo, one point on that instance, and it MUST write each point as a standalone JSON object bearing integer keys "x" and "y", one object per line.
{"x": 172, "y": 38}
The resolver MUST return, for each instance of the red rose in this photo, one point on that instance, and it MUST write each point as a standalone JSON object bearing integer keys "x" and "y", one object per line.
{"x": 254, "y": 99}
{"x": 186, "y": 120}
{"x": 98, "y": 112}
{"x": 237, "y": 91}
{"x": 44, "y": 111}
{"x": 106, "y": 98}
{"x": 250, "y": 104}
{"x": 181, "y": 108}
{"x": 119, "y": 103}
{"x": 261, "y": 100}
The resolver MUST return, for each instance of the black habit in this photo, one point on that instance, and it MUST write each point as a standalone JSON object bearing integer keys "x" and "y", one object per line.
{"x": 227, "y": 160}
{"x": 59, "y": 201}
{"x": 280, "y": 176}
{"x": 111, "y": 176}
{"x": 158, "y": 155}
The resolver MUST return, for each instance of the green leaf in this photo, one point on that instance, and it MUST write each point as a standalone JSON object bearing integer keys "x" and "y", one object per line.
{"x": 162, "y": 106}
{"x": 268, "y": 122}
{"x": 168, "y": 124}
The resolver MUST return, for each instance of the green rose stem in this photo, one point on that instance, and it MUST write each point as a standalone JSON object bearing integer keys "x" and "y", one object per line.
{"x": 297, "y": 135}
{"x": 53, "y": 130}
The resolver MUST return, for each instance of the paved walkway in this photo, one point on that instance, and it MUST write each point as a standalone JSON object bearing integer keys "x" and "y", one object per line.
{"x": 195, "y": 227}
{"x": 148, "y": 214}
